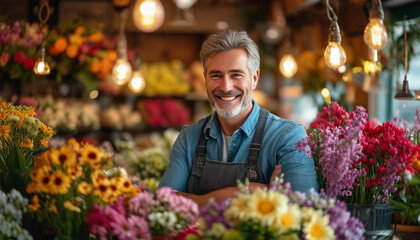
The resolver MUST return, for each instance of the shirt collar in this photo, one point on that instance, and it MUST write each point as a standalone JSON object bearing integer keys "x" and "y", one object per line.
{"x": 212, "y": 127}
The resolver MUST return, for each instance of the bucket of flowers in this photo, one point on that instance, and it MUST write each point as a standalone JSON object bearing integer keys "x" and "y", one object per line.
{"x": 359, "y": 161}
{"x": 68, "y": 180}
{"x": 277, "y": 212}
{"x": 22, "y": 137}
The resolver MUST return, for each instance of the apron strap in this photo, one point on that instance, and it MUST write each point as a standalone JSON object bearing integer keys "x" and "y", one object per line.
{"x": 255, "y": 147}
{"x": 199, "y": 160}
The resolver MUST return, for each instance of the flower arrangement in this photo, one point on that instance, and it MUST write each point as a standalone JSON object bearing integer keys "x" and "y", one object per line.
{"x": 165, "y": 112}
{"x": 120, "y": 117}
{"x": 80, "y": 52}
{"x": 67, "y": 181}
{"x": 22, "y": 138}
{"x": 13, "y": 206}
{"x": 69, "y": 115}
{"x": 278, "y": 213}
{"x": 371, "y": 158}
{"x": 18, "y": 49}
{"x": 159, "y": 215}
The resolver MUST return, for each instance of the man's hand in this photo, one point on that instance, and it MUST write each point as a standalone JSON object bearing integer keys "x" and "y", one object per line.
{"x": 276, "y": 172}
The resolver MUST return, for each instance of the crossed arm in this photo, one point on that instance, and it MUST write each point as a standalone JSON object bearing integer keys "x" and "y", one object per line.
{"x": 228, "y": 192}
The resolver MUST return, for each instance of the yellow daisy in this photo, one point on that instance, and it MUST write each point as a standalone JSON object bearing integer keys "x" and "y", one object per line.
{"x": 238, "y": 209}
{"x": 97, "y": 176}
{"x": 84, "y": 188}
{"x": 102, "y": 190}
{"x": 43, "y": 180}
{"x": 74, "y": 172}
{"x": 265, "y": 205}
{"x": 290, "y": 218}
{"x": 59, "y": 183}
{"x": 64, "y": 156}
{"x": 74, "y": 144}
{"x": 34, "y": 205}
{"x": 317, "y": 228}
{"x": 92, "y": 155}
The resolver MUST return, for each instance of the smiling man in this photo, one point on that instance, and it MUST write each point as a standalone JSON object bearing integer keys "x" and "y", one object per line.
{"x": 239, "y": 140}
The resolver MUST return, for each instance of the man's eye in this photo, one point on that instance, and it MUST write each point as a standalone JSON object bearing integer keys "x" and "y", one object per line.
{"x": 214, "y": 76}
{"x": 236, "y": 75}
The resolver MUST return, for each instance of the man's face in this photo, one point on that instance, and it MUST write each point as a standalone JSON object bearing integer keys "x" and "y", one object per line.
{"x": 228, "y": 82}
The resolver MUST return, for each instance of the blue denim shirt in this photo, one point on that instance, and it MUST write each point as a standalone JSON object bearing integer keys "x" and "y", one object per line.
{"x": 277, "y": 147}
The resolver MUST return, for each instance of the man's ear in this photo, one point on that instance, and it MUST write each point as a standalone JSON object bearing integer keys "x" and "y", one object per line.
{"x": 255, "y": 78}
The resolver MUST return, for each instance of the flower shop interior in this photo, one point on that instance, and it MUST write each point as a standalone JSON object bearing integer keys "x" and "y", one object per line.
{"x": 111, "y": 83}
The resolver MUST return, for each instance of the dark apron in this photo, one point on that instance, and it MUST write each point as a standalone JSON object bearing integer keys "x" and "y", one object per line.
{"x": 208, "y": 175}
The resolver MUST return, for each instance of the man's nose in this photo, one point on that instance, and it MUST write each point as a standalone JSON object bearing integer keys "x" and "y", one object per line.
{"x": 226, "y": 84}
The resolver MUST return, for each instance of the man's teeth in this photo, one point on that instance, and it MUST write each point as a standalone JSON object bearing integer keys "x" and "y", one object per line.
{"x": 227, "y": 98}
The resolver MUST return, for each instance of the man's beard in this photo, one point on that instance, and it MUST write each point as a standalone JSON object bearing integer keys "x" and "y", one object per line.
{"x": 245, "y": 101}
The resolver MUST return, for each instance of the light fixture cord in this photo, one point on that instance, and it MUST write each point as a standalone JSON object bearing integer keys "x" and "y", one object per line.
{"x": 406, "y": 52}
{"x": 122, "y": 40}
{"x": 43, "y": 15}
{"x": 329, "y": 11}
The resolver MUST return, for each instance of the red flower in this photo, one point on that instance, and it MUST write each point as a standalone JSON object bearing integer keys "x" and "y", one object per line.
{"x": 28, "y": 63}
{"x": 19, "y": 57}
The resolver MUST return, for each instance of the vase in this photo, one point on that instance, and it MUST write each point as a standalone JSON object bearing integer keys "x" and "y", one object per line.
{"x": 376, "y": 218}
{"x": 407, "y": 232}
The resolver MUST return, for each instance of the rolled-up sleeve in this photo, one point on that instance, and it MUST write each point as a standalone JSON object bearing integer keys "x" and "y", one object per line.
{"x": 298, "y": 168}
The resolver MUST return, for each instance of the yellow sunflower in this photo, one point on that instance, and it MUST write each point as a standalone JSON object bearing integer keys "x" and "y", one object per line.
{"x": 92, "y": 155}
{"x": 103, "y": 191}
{"x": 34, "y": 205}
{"x": 97, "y": 176}
{"x": 74, "y": 172}
{"x": 114, "y": 186}
{"x": 84, "y": 188}
{"x": 265, "y": 205}
{"x": 74, "y": 144}
{"x": 42, "y": 180}
{"x": 318, "y": 227}
{"x": 64, "y": 156}
{"x": 59, "y": 183}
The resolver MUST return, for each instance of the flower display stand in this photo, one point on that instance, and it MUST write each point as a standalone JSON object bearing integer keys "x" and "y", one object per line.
{"x": 377, "y": 219}
{"x": 407, "y": 232}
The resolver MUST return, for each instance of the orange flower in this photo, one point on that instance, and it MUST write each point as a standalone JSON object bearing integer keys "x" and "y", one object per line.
{"x": 112, "y": 55}
{"x": 96, "y": 37}
{"x": 34, "y": 205}
{"x": 28, "y": 144}
{"x": 95, "y": 66}
{"x": 47, "y": 130}
{"x": 53, "y": 51}
{"x": 79, "y": 30}
{"x": 44, "y": 142}
{"x": 5, "y": 131}
{"x": 72, "y": 51}
{"x": 61, "y": 44}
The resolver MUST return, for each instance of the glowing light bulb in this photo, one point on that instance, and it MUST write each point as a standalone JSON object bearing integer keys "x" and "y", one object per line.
{"x": 184, "y": 4}
{"x": 375, "y": 34}
{"x": 334, "y": 55}
{"x": 137, "y": 83}
{"x": 326, "y": 94}
{"x": 41, "y": 67}
{"x": 288, "y": 66}
{"x": 148, "y": 15}
{"x": 121, "y": 72}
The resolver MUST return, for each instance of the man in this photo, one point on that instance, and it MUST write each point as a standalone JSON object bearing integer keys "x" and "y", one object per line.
{"x": 240, "y": 140}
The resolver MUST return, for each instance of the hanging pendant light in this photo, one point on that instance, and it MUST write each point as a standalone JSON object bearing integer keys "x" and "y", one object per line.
{"x": 334, "y": 54}
{"x": 405, "y": 93}
{"x": 288, "y": 66}
{"x": 41, "y": 66}
{"x": 375, "y": 34}
{"x": 137, "y": 83}
{"x": 148, "y": 15}
{"x": 121, "y": 72}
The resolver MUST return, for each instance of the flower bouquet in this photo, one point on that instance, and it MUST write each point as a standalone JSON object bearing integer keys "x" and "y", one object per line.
{"x": 357, "y": 160}
{"x": 22, "y": 138}
{"x": 67, "y": 181}
{"x": 159, "y": 215}
{"x": 277, "y": 213}
{"x": 80, "y": 52}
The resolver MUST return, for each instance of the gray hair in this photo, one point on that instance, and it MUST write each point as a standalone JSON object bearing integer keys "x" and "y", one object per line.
{"x": 228, "y": 40}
